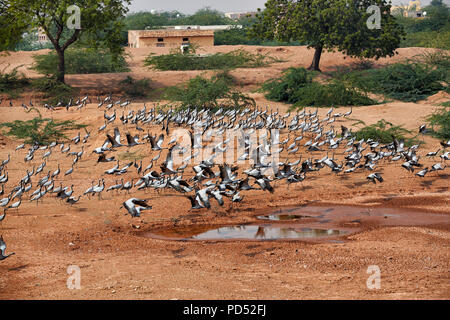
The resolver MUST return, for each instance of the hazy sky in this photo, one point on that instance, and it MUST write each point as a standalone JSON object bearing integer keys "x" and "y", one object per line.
{"x": 190, "y": 6}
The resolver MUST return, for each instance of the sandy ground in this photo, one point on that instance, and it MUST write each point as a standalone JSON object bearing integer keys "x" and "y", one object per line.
{"x": 117, "y": 261}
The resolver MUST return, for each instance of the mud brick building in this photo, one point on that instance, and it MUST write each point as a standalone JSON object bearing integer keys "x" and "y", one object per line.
{"x": 170, "y": 38}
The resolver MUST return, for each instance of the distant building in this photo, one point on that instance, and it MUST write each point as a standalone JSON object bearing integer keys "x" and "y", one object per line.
{"x": 171, "y": 38}
{"x": 41, "y": 36}
{"x": 415, "y": 5}
{"x": 414, "y": 14}
{"x": 239, "y": 15}
{"x": 412, "y": 10}
{"x": 176, "y": 36}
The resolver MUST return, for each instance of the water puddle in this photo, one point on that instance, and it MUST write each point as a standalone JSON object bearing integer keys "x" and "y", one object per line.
{"x": 305, "y": 223}
{"x": 247, "y": 232}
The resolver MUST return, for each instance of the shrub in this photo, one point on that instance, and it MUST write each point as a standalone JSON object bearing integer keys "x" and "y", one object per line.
{"x": 440, "y": 60}
{"x": 209, "y": 93}
{"x": 234, "y": 59}
{"x": 54, "y": 91}
{"x": 39, "y": 130}
{"x": 237, "y": 36}
{"x": 135, "y": 88}
{"x": 233, "y": 36}
{"x": 283, "y": 89}
{"x": 440, "y": 122}
{"x": 403, "y": 81}
{"x": 428, "y": 39}
{"x": 336, "y": 93}
{"x": 296, "y": 86}
{"x": 81, "y": 61}
{"x": 383, "y": 131}
{"x": 225, "y": 76}
{"x": 11, "y": 82}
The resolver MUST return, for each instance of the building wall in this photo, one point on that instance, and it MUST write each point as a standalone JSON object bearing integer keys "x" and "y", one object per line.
{"x": 171, "y": 38}
{"x": 413, "y": 6}
{"x": 173, "y": 42}
{"x": 132, "y": 38}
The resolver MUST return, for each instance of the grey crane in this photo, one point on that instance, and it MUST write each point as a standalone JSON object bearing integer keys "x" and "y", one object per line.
{"x": 135, "y": 206}
{"x": 3, "y": 249}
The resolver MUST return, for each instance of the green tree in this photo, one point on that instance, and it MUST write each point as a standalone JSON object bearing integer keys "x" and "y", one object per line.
{"x": 143, "y": 20}
{"x": 437, "y": 3}
{"x": 10, "y": 30}
{"x": 330, "y": 25}
{"x": 207, "y": 17}
{"x": 100, "y": 24}
{"x": 437, "y": 18}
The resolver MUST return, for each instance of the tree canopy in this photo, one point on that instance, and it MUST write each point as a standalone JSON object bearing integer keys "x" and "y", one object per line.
{"x": 331, "y": 25}
{"x": 99, "y": 23}
{"x": 11, "y": 30}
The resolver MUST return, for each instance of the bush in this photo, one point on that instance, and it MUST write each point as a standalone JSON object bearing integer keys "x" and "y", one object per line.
{"x": 403, "y": 81}
{"x": 11, "y": 82}
{"x": 39, "y": 130}
{"x": 233, "y": 36}
{"x": 209, "y": 93}
{"x": 135, "y": 88}
{"x": 54, "y": 91}
{"x": 226, "y": 76}
{"x": 428, "y": 39}
{"x": 81, "y": 61}
{"x": 383, "y": 131}
{"x": 336, "y": 93}
{"x": 234, "y": 59}
{"x": 296, "y": 86}
{"x": 283, "y": 89}
{"x": 236, "y": 36}
{"x": 439, "y": 60}
{"x": 441, "y": 120}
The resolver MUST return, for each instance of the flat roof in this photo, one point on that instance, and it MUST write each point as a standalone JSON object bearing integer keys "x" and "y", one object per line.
{"x": 171, "y": 33}
{"x": 199, "y": 27}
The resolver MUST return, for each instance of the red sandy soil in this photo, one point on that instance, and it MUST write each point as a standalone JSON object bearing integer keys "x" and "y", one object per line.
{"x": 118, "y": 262}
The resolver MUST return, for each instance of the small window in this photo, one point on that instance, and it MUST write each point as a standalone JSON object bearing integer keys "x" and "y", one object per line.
{"x": 185, "y": 39}
{"x": 160, "y": 44}
{"x": 160, "y": 39}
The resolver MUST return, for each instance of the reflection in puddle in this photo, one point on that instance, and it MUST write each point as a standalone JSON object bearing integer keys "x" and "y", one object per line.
{"x": 283, "y": 217}
{"x": 257, "y": 233}
{"x": 303, "y": 223}
{"x": 269, "y": 233}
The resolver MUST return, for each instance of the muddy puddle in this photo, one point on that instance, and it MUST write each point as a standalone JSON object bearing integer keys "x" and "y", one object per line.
{"x": 306, "y": 223}
{"x": 244, "y": 232}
